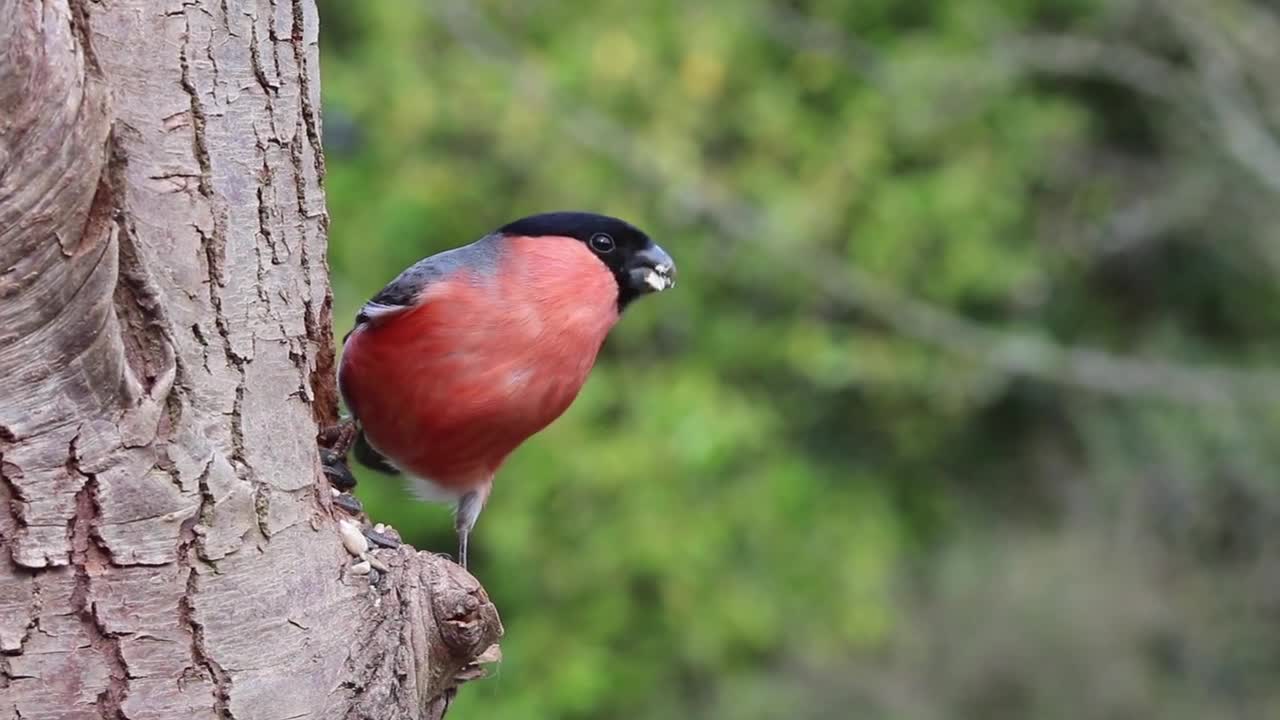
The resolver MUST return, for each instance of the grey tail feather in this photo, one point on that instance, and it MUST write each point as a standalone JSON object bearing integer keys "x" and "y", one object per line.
{"x": 371, "y": 458}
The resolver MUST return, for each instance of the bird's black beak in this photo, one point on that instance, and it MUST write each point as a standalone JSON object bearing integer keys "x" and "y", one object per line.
{"x": 651, "y": 270}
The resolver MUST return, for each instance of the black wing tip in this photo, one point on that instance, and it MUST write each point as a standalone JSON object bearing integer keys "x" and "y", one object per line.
{"x": 371, "y": 458}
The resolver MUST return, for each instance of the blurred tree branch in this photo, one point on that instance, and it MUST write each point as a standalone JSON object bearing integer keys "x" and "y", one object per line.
{"x": 1014, "y": 352}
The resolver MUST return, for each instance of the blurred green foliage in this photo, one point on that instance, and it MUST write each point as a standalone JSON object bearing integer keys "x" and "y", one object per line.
{"x": 791, "y": 489}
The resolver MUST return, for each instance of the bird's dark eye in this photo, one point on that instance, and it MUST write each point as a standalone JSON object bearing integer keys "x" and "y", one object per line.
{"x": 602, "y": 243}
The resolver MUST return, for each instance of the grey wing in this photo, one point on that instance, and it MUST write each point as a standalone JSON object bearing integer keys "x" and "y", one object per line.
{"x": 403, "y": 292}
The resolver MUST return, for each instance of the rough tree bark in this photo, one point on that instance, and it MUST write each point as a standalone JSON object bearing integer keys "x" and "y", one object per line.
{"x": 166, "y": 357}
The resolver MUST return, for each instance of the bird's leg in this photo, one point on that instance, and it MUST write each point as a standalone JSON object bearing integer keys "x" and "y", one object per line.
{"x": 335, "y": 442}
{"x": 464, "y": 519}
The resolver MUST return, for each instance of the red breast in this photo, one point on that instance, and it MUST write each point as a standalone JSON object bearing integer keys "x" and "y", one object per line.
{"x": 449, "y": 388}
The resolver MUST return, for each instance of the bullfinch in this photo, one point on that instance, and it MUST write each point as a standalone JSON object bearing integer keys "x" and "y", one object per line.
{"x": 466, "y": 354}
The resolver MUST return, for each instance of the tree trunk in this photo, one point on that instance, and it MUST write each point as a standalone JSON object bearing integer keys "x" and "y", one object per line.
{"x": 166, "y": 357}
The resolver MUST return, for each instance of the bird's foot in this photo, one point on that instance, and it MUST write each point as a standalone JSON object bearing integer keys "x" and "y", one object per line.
{"x": 335, "y": 443}
{"x": 333, "y": 460}
{"x": 341, "y": 483}
{"x": 339, "y": 438}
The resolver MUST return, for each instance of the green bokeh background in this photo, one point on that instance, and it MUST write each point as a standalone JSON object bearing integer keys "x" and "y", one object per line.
{"x": 961, "y": 408}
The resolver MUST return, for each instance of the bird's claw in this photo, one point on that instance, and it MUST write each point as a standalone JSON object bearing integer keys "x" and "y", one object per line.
{"x": 338, "y": 438}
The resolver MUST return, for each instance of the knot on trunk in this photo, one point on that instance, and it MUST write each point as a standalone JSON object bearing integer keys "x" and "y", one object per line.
{"x": 432, "y": 628}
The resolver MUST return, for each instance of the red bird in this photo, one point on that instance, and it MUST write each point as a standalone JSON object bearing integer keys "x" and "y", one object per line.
{"x": 468, "y": 353}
